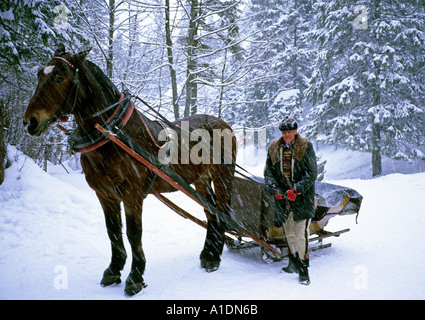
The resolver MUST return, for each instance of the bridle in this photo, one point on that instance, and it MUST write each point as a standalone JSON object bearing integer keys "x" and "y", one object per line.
{"x": 73, "y": 91}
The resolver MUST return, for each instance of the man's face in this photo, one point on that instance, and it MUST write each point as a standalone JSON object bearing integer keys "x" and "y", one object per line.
{"x": 289, "y": 136}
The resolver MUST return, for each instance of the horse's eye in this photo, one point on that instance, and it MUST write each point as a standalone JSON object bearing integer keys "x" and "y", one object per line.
{"x": 59, "y": 80}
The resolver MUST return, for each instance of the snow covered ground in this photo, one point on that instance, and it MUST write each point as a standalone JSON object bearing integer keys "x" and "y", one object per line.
{"x": 53, "y": 242}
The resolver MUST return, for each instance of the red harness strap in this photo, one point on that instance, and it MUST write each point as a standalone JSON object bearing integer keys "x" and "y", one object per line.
{"x": 104, "y": 141}
{"x": 123, "y": 122}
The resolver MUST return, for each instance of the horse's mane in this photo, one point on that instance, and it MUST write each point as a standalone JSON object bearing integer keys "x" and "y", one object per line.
{"x": 97, "y": 77}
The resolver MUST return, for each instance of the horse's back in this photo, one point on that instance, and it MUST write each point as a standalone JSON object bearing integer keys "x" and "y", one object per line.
{"x": 203, "y": 121}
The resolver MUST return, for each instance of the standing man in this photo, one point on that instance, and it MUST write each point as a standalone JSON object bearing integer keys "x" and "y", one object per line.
{"x": 291, "y": 169}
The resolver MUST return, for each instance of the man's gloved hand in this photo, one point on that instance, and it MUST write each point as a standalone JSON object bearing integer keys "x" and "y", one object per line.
{"x": 291, "y": 195}
{"x": 278, "y": 194}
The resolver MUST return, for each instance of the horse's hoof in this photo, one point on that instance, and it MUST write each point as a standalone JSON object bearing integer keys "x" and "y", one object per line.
{"x": 132, "y": 288}
{"x": 109, "y": 281}
{"x": 210, "y": 266}
{"x": 110, "y": 278}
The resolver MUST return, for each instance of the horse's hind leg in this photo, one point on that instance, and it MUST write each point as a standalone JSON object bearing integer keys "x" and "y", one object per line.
{"x": 222, "y": 177}
{"x": 214, "y": 242}
{"x": 112, "y": 211}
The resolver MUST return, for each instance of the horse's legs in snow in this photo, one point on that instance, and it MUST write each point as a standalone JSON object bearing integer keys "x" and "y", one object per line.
{"x": 214, "y": 241}
{"x": 112, "y": 212}
{"x": 133, "y": 213}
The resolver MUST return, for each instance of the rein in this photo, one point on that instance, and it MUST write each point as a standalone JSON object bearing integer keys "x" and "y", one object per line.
{"x": 238, "y": 169}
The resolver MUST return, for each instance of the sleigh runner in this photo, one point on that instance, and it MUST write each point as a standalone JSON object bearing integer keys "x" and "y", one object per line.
{"x": 252, "y": 205}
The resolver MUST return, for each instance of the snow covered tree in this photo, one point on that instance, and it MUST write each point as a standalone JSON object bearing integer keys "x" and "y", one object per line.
{"x": 368, "y": 82}
{"x": 29, "y": 33}
{"x": 30, "y": 29}
{"x": 212, "y": 41}
{"x": 281, "y": 67}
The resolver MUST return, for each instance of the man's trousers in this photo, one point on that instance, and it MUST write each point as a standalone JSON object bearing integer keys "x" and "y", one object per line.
{"x": 297, "y": 235}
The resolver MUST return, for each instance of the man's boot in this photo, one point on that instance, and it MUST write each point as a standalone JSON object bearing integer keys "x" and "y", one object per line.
{"x": 292, "y": 266}
{"x": 303, "y": 268}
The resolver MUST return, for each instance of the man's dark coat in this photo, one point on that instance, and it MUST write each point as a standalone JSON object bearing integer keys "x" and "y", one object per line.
{"x": 303, "y": 180}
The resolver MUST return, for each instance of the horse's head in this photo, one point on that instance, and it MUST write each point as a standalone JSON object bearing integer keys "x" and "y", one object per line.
{"x": 56, "y": 92}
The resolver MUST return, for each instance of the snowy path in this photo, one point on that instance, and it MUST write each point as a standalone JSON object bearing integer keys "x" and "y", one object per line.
{"x": 53, "y": 245}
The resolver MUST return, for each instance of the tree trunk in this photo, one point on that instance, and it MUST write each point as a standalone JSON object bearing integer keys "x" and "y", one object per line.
{"x": 376, "y": 163}
{"x": 132, "y": 34}
{"x": 192, "y": 44}
{"x": 376, "y": 151}
{"x": 220, "y": 102}
{"x": 376, "y": 127}
{"x": 110, "y": 58}
{"x": 169, "y": 44}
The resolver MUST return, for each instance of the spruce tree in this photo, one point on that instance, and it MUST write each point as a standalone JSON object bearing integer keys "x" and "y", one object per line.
{"x": 368, "y": 78}
{"x": 281, "y": 66}
{"x": 30, "y": 30}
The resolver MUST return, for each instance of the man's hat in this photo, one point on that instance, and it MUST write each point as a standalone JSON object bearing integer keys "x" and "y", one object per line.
{"x": 288, "y": 124}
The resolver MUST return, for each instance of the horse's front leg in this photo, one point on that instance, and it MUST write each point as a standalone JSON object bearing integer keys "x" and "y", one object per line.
{"x": 112, "y": 211}
{"x": 133, "y": 214}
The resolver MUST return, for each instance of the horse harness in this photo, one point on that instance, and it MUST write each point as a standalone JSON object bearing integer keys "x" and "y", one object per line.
{"x": 115, "y": 123}
{"x": 118, "y": 120}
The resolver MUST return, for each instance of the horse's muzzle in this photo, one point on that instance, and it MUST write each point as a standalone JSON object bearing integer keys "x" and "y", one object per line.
{"x": 33, "y": 127}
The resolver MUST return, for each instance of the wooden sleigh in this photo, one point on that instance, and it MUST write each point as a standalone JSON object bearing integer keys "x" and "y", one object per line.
{"x": 253, "y": 207}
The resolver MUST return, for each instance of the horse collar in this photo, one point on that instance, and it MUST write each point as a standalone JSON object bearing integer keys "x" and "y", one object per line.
{"x": 94, "y": 140}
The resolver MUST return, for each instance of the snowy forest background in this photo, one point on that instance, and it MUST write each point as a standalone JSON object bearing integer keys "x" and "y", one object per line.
{"x": 351, "y": 72}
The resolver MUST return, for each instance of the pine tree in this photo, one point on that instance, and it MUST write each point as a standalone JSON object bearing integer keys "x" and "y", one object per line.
{"x": 282, "y": 65}
{"x": 29, "y": 31}
{"x": 368, "y": 78}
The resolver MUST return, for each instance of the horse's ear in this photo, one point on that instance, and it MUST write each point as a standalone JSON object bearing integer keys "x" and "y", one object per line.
{"x": 60, "y": 49}
{"x": 80, "y": 57}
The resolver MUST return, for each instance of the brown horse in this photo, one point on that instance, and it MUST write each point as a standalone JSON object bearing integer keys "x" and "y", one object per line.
{"x": 70, "y": 84}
